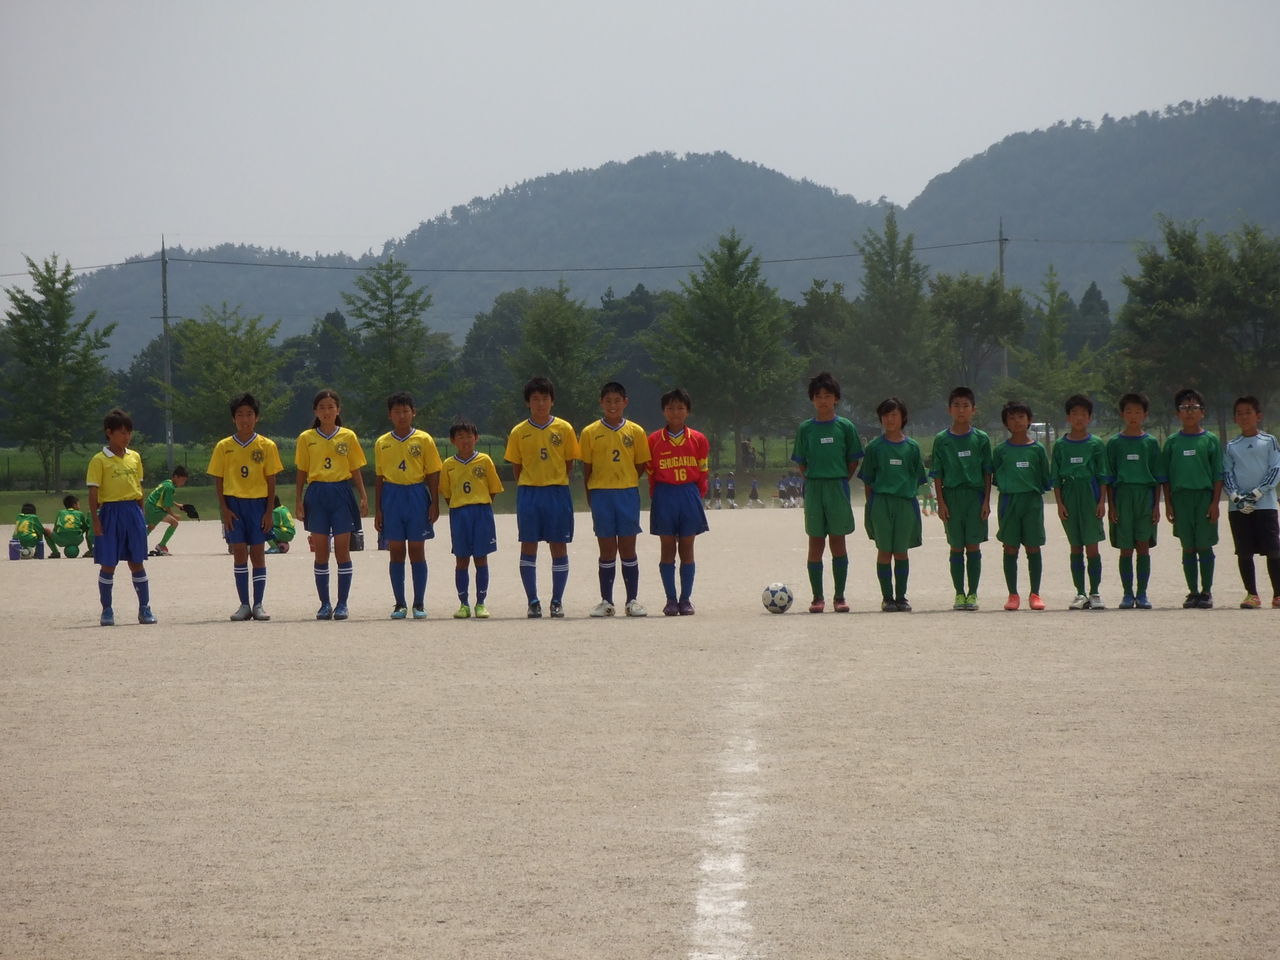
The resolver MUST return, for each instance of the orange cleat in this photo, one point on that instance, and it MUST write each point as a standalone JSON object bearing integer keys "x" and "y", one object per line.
{"x": 1034, "y": 602}
{"x": 1013, "y": 602}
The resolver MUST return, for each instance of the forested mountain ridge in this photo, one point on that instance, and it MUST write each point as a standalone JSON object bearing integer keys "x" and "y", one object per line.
{"x": 1075, "y": 195}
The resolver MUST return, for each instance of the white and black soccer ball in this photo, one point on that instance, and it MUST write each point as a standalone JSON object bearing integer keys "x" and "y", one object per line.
{"x": 777, "y": 598}
{"x": 26, "y": 553}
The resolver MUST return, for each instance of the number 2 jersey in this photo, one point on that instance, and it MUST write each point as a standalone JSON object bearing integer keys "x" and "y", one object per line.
{"x": 679, "y": 459}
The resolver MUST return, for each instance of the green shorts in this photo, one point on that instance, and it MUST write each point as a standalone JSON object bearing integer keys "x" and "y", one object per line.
{"x": 153, "y": 515}
{"x": 1134, "y": 503}
{"x": 894, "y": 523}
{"x": 1191, "y": 526}
{"x": 827, "y": 510}
{"x": 67, "y": 538}
{"x": 965, "y": 524}
{"x": 281, "y": 535}
{"x": 1021, "y": 518}
{"x": 1082, "y": 524}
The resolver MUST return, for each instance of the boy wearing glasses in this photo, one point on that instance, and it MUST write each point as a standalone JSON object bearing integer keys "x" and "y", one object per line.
{"x": 1191, "y": 471}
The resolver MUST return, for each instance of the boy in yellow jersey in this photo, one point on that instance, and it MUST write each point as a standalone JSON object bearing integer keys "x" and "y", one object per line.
{"x": 469, "y": 480}
{"x": 541, "y": 451}
{"x": 615, "y": 453}
{"x": 407, "y": 464}
{"x": 114, "y": 479}
{"x": 244, "y": 467}
{"x": 329, "y": 458}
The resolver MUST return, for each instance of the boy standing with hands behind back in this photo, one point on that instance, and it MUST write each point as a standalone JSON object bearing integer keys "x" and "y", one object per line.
{"x": 1081, "y": 479}
{"x": 961, "y": 475}
{"x": 1191, "y": 471}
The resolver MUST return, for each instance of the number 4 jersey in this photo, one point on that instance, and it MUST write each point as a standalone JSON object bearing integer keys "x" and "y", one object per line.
{"x": 406, "y": 460}
{"x": 244, "y": 467}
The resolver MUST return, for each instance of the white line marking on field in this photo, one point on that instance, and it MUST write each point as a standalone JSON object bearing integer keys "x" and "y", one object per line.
{"x": 722, "y": 928}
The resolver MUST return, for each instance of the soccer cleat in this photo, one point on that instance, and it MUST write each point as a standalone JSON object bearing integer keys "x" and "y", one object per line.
{"x": 1275, "y": 603}
{"x": 817, "y": 606}
{"x": 244, "y": 612}
{"x": 1251, "y": 601}
{"x": 672, "y": 609}
{"x": 1126, "y": 602}
{"x": 163, "y": 552}
{"x": 54, "y": 555}
{"x": 961, "y": 602}
{"x": 89, "y": 556}
{"x": 904, "y": 606}
{"x": 1095, "y": 602}
{"x": 482, "y": 612}
{"x": 462, "y": 613}
{"x": 888, "y": 606}
{"x": 1013, "y": 602}
{"x": 603, "y": 609}
{"x": 1205, "y": 602}
{"x": 325, "y": 612}
{"x": 686, "y": 608}
{"x": 259, "y": 613}
{"x": 145, "y": 615}
{"x": 1081, "y": 602}
{"x": 840, "y": 605}
{"x": 1141, "y": 602}
{"x": 557, "y": 610}
{"x": 400, "y": 612}
{"x": 340, "y": 611}
{"x": 1193, "y": 599}
{"x": 635, "y": 608}
{"x": 419, "y": 613}
{"x": 108, "y": 618}
{"x": 1034, "y": 602}
{"x": 971, "y": 602}
{"x": 535, "y": 611}
{"x": 273, "y": 549}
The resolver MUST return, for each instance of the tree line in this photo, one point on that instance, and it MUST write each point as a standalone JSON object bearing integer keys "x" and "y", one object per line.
{"x": 1203, "y": 310}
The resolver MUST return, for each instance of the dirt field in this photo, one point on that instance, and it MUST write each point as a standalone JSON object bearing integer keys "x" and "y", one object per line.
{"x": 733, "y": 785}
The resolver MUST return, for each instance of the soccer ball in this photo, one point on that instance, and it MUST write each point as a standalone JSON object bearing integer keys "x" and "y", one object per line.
{"x": 777, "y": 598}
{"x": 26, "y": 553}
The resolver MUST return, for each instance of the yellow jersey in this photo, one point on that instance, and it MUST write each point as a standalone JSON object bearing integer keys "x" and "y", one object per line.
{"x": 543, "y": 452}
{"x": 406, "y": 460}
{"x": 244, "y": 467}
{"x": 328, "y": 459}
{"x": 466, "y": 482}
{"x": 614, "y": 454}
{"x": 116, "y": 477}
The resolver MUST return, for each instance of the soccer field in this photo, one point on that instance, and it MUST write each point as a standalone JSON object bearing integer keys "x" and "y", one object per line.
{"x": 732, "y": 785}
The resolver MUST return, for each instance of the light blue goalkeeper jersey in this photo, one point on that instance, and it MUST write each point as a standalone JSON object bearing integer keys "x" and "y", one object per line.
{"x": 1253, "y": 463}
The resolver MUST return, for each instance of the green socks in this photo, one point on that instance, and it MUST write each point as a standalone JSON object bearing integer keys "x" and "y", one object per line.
{"x": 815, "y": 578}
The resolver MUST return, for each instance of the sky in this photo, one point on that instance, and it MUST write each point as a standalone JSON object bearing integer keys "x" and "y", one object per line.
{"x": 321, "y": 126}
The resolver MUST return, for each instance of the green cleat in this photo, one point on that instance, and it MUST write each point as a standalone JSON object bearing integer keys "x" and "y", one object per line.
{"x": 462, "y": 613}
{"x": 482, "y": 612}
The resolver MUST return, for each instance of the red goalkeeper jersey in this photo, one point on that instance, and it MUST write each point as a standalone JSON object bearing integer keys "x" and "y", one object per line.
{"x": 681, "y": 459}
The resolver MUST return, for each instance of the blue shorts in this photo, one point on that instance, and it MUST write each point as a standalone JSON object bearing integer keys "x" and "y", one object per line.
{"x": 544, "y": 513}
{"x": 676, "y": 510}
{"x": 124, "y": 534}
{"x": 615, "y": 513}
{"x": 404, "y": 512}
{"x": 246, "y": 515}
{"x": 330, "y": 507}
{"x": 473, "y": 530}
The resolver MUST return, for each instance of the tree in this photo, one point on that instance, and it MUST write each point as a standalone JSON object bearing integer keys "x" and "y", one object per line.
{"x": 727, "y": 338}
{"x": 315, "y": 360}
{"x": 486, "y": 352}
{"x": 1092, "y": 323}
{"x": 55, "y": 382}
{"x": 563, "y": 342}
{"x": 974, "y": 318}
{"x": 821, "y": 328}
{"x": 224, "y": 353}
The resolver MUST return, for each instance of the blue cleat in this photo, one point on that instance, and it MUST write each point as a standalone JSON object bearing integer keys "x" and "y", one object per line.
{"x": 400, "y": 612}
{"x": 1141, "y": 602}
{"x": 340, "y": 611}
{"x": 325, "y": 612}
{"x": 419, "y": 613}
{"x": 1127, "y": 602}
{"x": 108, "y": 618}
{"x": 145, "y": 615}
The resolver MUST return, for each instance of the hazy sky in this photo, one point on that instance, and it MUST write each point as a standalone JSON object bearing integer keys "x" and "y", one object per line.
{"x": 322, "y": 126}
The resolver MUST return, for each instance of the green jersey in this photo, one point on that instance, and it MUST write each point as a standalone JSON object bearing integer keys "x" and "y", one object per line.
{"x": 1133, "y": 460}
{"x": 962, "y": 460}
{"x": 1191, "y": 461}
{"x": 827, "y": 448}
{"x": 72, "y": 521}
{"x": 28, "y": 529}
{"x": 282, "y": 520}
{"x": 1080, "y": 461}
{"x": 893, "y": 469}
{"x": 161, "y": 498}
{"x": 1021, "y": 468}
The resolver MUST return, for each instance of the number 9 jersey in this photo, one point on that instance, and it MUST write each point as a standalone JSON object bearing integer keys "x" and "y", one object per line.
{"x": 244, "y": 467}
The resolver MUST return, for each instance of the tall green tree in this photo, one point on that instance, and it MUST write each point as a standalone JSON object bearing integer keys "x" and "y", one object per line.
{"x": 727, "y": 339}
{"x": 1092, "y": 323}
{"x": 224, "y": 353}
{"x": 320, "y": 358}
{"x": 562, "y": 340}
{"x": 974, "y": 319}
{"x": 55, "y": 382}
{"x": 821, "y": 328}
{"x": 483, "y": 365}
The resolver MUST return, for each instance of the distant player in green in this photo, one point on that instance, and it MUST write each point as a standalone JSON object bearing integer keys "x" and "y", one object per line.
{"x": 1081, "y": 479}
{"x": 893, "y": 470}
{"x": 1191, "y": 470}
{"x": 283, "y": 528}
{"x": 961, "y": 475}
{"x": 71, "y": 526}
{"x": 1133, "y": 462}
{"x": 1021, "y": 471}
{"x": 29, "y": 530}
{"x": 827, "y": 449}
{"x": 160, "y": 507}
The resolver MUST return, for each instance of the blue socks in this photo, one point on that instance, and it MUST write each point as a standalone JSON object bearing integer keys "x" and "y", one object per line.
{"x": 631, "y": 577}
{"x": 667, "y": 574}
{"x": 345, "y": 571}
{"x": 242, "y": 583}
{"x": 322, "y": 582}
{"x": 418, "y": 571}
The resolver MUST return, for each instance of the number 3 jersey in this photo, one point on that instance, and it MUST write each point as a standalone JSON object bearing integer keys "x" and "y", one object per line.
{"x": 406, "y": 460}
{"x": 471, "y": 481}
{"x": 678, "y": 459}
{"x": 543, "y": 452}
{"x": 244, "y": 467}
{"x": 328, "y": 459}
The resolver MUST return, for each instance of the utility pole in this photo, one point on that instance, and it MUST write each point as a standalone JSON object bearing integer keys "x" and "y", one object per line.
{"x": 168, "y": 358}
{"x": 1000, "y": 242}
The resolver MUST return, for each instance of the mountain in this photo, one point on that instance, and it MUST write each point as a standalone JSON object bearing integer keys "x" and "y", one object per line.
{"x": 1075, "y": 195}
